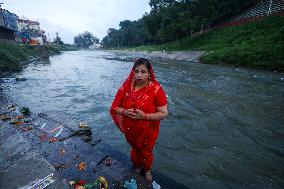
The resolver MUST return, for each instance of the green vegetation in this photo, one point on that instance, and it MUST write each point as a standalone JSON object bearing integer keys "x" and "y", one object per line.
{"x": 85, "y": 40}
{"x": 66, "y": 47}
{"x": 12, "y": 54}
{"x": 256, "y": 45}
{"x": 171, "y": 20}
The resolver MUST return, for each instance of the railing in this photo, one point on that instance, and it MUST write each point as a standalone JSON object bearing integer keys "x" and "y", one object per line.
{"x": 260, "y": 10}
{"x": 263, "y": 8}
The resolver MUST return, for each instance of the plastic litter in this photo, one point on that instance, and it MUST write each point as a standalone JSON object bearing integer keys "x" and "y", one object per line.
{"x": 27, "y": 128}
{"x": 130, "y": 185}
{"x": 27, "y": 120}
{"x": 37, "y": 122}
{"x": 43, "y": 137}
{"x": 103, "y": 183}
{"x": 56, "y": 129}
{"x": 88, "y": 186}
{"x": 78, "y": 184}
{"x": 155, "y": 185}
{"x": 16, "y": 121}
{"x": 83, "y": 125}
{"x": 43, "y": 125}
{"x": 108, "y": 162}
{"x": 62, "y": 151}
{"x": 40, "y": 183}
{"x": 59, "y": 132}
{"x": 25, "y": 110}
{"x": 11, "y": 107}
{"x": 53, "y": 139}
{"x": 59, "y": 166}
{"x": 4, "y": 117}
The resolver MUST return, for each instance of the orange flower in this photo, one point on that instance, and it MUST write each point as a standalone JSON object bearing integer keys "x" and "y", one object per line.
{"x": 82, "y": 166}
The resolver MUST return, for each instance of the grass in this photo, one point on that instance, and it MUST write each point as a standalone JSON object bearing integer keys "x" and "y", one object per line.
{"x": 12, "y": 54}
{"x": 259, "y": 44}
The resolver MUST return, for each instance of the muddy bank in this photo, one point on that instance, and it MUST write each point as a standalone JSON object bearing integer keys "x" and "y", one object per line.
{"x": 191, "y": 56}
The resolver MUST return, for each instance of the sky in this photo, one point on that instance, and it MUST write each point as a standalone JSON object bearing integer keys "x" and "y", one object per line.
{"x": 70, "y": 17}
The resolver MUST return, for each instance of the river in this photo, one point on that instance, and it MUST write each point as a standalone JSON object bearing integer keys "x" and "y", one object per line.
{"x": 225, "y": 126}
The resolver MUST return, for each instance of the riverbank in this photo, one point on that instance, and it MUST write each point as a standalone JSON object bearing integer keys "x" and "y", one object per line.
{"x": 192, "y": 56}
{"x": 14, "y": 56}
{"x": 258, "y": 45}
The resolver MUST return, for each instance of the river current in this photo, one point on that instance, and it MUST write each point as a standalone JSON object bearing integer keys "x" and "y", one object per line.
{"x": 225, "y": 128}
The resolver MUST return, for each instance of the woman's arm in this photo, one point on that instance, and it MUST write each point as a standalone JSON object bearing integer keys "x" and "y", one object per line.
{"x": 126, "y": 112}
{"x": 162, "y": 112}
{"x": 119, "y": 110}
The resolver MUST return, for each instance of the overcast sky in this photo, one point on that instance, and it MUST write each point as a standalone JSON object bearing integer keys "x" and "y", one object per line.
{"x": 70, "y": 17}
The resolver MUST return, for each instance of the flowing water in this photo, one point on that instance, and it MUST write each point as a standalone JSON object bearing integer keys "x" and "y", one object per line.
{"x": 225, "y": 128}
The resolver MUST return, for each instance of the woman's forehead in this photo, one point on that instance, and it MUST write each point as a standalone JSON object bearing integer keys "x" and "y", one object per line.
{"x": 141, "y": 67}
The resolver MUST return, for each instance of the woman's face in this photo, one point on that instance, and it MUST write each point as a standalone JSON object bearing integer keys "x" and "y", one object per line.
{"x": 141, "y": 74}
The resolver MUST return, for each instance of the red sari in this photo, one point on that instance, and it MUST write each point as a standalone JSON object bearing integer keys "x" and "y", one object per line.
{"x": 140, "y": 134}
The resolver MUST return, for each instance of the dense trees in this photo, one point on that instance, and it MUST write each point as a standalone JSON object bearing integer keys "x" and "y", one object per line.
{"x": 58, "y": 40}
{"x": 171, "y": 20}
{"x": 85, "y": 40}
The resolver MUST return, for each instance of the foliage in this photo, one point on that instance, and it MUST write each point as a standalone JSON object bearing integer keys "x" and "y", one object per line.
{"x": 58, "y": 41}
{"x": 171, "y": 20}
{"x": 85, "y": 40}
{"x": 12, "y": 55}
{"x": 256, "y": 45}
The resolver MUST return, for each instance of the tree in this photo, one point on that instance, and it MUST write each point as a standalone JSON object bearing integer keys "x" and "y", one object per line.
{"x": 130, "y": 34}
{"x": 58, "y": 40}
{"x": 85, "y": 40}
{"x": 171, "y": 20}
{"x": 157, "y": 5}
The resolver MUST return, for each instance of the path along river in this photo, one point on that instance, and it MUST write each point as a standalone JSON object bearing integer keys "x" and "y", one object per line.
{"x": 225, "y": 128}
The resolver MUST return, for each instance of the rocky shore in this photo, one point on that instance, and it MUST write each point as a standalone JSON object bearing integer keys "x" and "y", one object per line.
{"x": 191, "y": 56}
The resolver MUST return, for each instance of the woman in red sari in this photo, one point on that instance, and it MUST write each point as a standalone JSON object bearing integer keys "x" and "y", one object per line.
{"x": 138, "y": 107}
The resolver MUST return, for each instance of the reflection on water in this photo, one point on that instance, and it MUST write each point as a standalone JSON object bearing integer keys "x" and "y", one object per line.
{"x": 225, "y": 128}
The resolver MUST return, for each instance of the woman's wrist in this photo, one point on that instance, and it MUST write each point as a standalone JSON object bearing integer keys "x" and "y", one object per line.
{"x": 147, "y": 116}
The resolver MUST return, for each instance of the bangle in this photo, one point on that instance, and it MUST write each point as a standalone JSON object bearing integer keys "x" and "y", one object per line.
{"x": 147, "y": 116}
{"x": 123, "y": 110}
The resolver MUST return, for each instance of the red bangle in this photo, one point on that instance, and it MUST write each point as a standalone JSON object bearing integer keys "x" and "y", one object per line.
{"x": 122, "y": 112}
